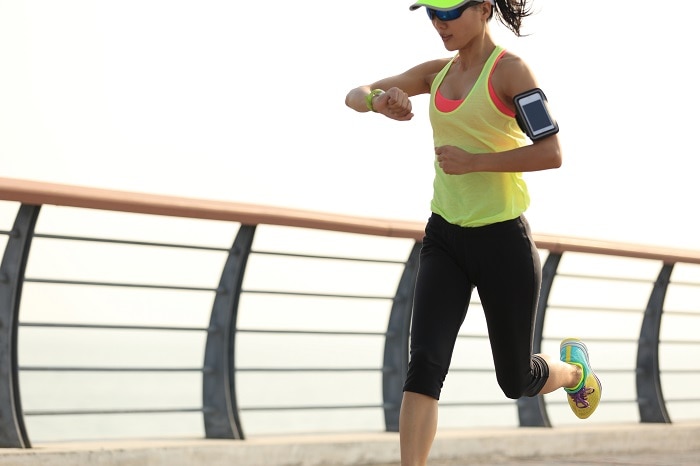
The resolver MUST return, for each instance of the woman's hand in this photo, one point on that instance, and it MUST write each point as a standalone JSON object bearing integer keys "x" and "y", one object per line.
{"x": 455, "y": 161}
{"x": 394, "y": 103}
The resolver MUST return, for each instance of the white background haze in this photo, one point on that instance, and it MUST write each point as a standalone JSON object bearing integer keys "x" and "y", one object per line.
{"x": 245, "y": 102}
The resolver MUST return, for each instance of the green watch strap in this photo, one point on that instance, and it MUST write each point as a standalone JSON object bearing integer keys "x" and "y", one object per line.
{"x": 368, "y": 98}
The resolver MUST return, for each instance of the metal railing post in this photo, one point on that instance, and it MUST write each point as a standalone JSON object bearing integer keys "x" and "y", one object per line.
{"x": 650, "y": 398}
{"x": 13, "y": 433}
{"x": 221, "y": 415}
{"x": 532, "y": 411}
{"x": 396, "y": 343}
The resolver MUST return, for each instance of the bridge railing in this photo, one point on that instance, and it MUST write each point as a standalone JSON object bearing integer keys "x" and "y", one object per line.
{"x": 128, "y": 314}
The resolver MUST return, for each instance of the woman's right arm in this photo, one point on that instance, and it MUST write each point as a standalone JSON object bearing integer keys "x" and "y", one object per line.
{"x": 394, "y": 102}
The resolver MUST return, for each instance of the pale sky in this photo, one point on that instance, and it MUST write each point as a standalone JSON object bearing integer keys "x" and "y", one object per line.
{"x": 211, "y": 99}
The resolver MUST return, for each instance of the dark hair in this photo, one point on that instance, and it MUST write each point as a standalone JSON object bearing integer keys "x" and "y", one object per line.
{"x": 511, "y": 13}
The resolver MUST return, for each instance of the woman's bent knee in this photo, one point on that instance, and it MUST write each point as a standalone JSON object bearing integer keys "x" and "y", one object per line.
{"x": 515, "y": 388}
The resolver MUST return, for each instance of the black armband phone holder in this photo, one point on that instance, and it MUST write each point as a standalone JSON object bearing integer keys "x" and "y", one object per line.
{"x": 532, "y": 114}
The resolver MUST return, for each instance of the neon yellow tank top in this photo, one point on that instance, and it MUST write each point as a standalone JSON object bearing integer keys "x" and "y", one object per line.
{"x": 480, "y": 124}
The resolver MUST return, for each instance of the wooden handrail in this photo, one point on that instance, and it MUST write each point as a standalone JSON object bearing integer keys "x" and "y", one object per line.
{"x": 43, "y": 193}
{"x": 40, "y": 193}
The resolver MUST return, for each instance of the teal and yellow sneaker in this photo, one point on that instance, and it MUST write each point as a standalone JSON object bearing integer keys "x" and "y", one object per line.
{"x": 585, "y": 396}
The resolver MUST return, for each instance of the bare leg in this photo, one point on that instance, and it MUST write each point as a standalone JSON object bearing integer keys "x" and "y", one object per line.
{"x": 561, "y": 374}
{"x": 417, "y": 427}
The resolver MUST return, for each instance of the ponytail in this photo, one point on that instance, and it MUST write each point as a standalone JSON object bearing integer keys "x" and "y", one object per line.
{"x": 511, "y": 13}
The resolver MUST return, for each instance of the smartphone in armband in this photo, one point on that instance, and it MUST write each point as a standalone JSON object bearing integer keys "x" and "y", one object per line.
{"x": 533, "y": 116}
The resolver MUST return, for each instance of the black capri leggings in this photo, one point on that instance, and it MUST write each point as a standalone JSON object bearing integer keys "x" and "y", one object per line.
{"x": 502, "y": 262}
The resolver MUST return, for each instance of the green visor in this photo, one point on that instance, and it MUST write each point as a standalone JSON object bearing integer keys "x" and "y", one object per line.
{"x": 443, "y": 5}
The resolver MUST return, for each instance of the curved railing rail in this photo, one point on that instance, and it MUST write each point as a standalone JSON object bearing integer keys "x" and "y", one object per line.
{"x": 220, "y": 373}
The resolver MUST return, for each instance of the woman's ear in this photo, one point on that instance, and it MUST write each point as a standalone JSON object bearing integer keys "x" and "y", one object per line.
{"x": 486, "y": 8}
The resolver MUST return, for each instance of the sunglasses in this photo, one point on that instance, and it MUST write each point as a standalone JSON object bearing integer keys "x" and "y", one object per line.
{"x": 449, "y": 15}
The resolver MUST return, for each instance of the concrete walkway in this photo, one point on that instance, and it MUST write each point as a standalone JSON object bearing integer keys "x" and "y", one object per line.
{"x": 639, "y": 444}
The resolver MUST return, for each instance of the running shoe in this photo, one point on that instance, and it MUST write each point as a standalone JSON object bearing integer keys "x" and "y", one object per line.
{"x": 585, "y": 396}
